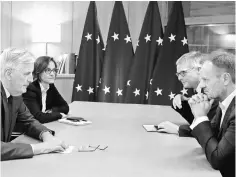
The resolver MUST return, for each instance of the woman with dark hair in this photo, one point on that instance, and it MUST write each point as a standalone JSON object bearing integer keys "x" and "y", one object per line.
{"x": 42, "y": 98}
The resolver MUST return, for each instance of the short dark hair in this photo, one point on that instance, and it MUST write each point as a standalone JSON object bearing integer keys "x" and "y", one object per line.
{"x": 41, "y": 64}
{"x": 223, "y": 59}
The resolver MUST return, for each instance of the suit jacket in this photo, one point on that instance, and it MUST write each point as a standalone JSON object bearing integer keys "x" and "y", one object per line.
{"x": 54, "y": 101}
{"x": 219, "y": 143}
{"x": 186, "y": 113}
{"x": 18, "y": 113}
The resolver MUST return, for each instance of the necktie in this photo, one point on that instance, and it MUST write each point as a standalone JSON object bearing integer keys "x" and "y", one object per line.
{"x": 9, "y": 102}
{"x": 218, "y": 117}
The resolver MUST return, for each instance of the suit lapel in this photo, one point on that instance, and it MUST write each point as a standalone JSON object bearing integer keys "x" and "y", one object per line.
{"x": 15, "y": 105}
{"x": 229, "y": 111}
{"x": 7, "y": 116}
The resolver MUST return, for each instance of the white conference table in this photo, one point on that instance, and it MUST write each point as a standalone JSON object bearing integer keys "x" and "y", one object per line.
{"x": 131, "y": 152}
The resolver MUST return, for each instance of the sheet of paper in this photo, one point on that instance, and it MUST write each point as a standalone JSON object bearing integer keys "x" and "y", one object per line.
{"x": 68, "y": 150}
{"x": 150, "y": 128}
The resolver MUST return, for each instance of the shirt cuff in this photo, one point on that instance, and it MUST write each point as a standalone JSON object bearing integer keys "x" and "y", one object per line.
{"x": 40, "y": 135}
{"x": 32, "y": 147}
{"x": 198, "y": 121}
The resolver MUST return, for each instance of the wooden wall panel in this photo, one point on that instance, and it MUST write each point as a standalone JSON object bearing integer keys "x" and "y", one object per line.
{"x": 206, "y": 8}
{"x": 5, "y": 25}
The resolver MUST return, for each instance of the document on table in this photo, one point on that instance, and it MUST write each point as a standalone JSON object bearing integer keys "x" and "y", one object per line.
{"x": 151, "y": 128}
{"x": 68, "y": 150}
{"x": 75, "y": 121}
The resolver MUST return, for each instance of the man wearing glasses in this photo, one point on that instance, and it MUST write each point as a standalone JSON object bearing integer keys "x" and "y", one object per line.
{"x": 188, "y": 67}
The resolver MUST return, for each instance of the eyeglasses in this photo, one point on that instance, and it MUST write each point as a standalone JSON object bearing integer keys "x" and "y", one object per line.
{"x": 49, "y": 71}
{"x": 184, "y": 72}
{"x": 91, "y": 148}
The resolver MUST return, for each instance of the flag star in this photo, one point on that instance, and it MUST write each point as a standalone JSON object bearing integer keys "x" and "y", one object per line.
{"x": 150, "y": 81}
{"x": 90, "y": 90}
{"x": 171, "y": 95}
{"x": 128, "y": 82}
{"x": 79, "y": 88}
{"x": 158, "y": 91}
{"x": 104, "y": 48}
{"x": 136, "y": 92}
{"x": 147, "y": 38}
{"x": 106, "y": 90}
{"x": 138, "y": 43}
{"x": 115, "y": 36}
{"x": 100, "y": 80}
{"x": 172, "y": 37}
{"x": 185, "y": 41}
{"x": 184, "y": 91}
{"x": 146, "y": 95}
{"x": 159, "y": 41}
{"x": 88, "y": 36}
{"x": 127, "y": 39}
{"x": 119, "y": 92}
{"x": 98, "y": 40}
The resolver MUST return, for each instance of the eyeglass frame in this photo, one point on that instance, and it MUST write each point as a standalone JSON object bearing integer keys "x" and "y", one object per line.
{"x": 49, "y": 71}
{"x": 184, "y": 72}
{"x": 92, "y": 150}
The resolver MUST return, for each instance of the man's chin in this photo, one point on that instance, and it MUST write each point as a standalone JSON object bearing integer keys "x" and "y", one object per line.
{"x": 186, "y": 85}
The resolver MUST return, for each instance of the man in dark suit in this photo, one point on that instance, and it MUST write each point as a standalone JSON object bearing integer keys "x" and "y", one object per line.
{"x": 16, "y": 74}
{"x": 188, "y": 67}
{"x": 217, "y": 138}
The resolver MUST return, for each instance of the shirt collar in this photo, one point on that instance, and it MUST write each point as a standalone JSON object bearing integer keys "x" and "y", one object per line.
{"x": 43, "y": 89}
{"x": 198, "y": 89}
{"x": 6, "y": 91}
{"x": 225, "y": 104}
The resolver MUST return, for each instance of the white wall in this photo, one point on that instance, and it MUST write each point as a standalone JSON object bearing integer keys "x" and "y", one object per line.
{"x": 18, "y": 18}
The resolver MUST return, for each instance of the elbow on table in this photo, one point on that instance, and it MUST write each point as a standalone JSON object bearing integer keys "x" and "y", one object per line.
{"x": 217, "y": 163}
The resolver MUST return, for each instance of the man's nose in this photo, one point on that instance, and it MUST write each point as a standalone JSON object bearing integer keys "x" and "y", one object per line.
{"x": 201, "y": 85}
{"x": 30, "y": 78}
{"x": 180, "y": 77}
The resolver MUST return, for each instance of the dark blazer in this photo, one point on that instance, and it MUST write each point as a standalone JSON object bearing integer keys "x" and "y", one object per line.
{"x": 219, "y": 143}
{"x": 54, "y": 101}
{"x": 18, "y": 113}
{"x": 186, "y": 113}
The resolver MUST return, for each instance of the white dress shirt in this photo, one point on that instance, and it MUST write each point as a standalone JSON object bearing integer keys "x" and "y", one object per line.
{"x": 223, "y": 105}
{"x": 44, "y": 96}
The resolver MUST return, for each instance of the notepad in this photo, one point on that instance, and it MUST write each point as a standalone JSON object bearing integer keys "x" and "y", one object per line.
{"x": 151, "y": 128}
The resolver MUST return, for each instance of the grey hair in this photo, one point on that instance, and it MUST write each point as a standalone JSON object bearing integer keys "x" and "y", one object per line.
{"x": 224, "y": 60}
{"x": 13, "y": 57}
{"x": 194, "y": 58}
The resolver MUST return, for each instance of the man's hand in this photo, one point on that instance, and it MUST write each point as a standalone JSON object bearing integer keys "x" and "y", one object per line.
{"x": 168, "y": 127}
{"x": 200, "y": 105}
{"x": 50, "y": 144}
{"x": 177, "y": 101}
{"x": 47, "y": 147}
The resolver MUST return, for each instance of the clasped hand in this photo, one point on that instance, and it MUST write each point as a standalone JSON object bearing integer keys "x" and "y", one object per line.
{"x": 200, "y": 104}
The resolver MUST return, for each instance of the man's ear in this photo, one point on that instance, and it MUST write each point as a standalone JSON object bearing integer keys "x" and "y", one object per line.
{"x": 226, "y": 78}
{"x": 8, "y": 73}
